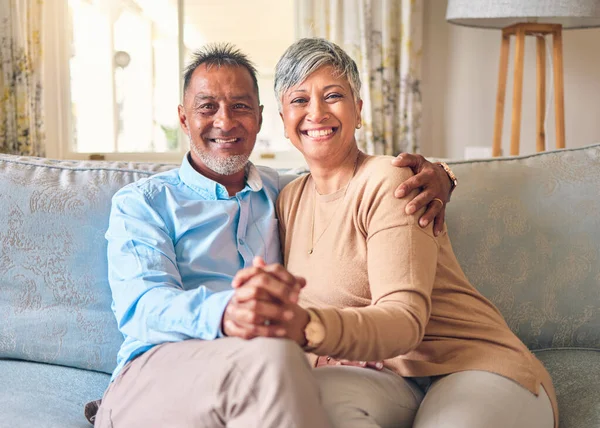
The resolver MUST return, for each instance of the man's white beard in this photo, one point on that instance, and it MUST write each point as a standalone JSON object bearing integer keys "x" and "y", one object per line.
{"x": 221, "y": 165}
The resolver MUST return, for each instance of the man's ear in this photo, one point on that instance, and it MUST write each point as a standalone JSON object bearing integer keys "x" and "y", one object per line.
{"x": 183, "y": 120}
{"x": 260, "y": 116}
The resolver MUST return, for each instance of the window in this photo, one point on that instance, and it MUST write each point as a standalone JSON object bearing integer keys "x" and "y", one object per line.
{"x": 114, "y": 69}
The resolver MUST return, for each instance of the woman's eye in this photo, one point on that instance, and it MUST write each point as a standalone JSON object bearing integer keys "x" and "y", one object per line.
{"x": 333, "y": 96}
{"x": 298, "y": 101}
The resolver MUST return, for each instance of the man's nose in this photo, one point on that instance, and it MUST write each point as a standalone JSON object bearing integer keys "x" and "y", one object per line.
{"x": 317, "y": 111}
{"x": 224, "y": 120}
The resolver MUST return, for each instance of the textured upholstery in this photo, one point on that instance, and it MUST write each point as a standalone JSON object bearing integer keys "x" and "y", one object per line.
{"x": 54, "y": 293}
{"x": 527, "y": 234}
{"x": 46, "y": 396}
{"x": 576, "y": 376}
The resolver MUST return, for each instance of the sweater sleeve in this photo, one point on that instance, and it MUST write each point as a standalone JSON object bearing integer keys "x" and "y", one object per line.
{"x": 401, "y": 260}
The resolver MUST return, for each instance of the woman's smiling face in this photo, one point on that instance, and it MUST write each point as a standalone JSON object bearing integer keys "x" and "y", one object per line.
{"x": 320, "y": 115}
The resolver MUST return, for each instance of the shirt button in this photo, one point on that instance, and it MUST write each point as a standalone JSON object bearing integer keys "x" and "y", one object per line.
{"x": 241, "y": 241}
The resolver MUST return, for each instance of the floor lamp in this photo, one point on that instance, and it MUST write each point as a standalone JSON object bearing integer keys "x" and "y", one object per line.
{"x": 521, "y": 18}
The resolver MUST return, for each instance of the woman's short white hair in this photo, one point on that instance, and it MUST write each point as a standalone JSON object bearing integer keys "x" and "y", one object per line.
{"x": 306, "y": 56}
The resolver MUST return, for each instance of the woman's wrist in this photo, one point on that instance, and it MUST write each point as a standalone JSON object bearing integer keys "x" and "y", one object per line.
{"x": 305, "y": 319}
{"x": 314, "y": 331}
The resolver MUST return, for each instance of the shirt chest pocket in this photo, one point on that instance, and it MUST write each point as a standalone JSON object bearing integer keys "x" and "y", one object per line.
{"x": 263, "y": 237}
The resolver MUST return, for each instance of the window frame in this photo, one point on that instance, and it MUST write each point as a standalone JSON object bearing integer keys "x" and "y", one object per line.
{"x": 57, "y": 87}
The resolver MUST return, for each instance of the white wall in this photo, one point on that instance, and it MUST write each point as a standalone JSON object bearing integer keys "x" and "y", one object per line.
{"x": 262, "y": 19}
{"x": 460, "y": 77}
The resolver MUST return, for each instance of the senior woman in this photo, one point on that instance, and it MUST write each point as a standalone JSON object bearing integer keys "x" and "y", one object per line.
{"x": 379, "y": 287}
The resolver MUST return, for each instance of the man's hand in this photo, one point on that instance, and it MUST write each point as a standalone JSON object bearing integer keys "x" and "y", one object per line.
{"x": 264, "y": 304}
{"x": 435, "y": 187}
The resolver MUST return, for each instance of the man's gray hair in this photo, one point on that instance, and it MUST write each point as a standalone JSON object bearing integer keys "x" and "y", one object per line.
{"x": 219, "y": 55}
{"x": 307, "y": 55}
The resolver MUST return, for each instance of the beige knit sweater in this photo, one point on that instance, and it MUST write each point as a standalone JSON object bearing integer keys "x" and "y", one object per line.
{"x": 387, "y": 289}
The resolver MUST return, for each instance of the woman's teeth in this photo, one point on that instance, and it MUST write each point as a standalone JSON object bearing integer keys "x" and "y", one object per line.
{"x": 319, "y": 132}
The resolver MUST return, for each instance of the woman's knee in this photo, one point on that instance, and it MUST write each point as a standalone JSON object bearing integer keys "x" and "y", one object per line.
{"x": 355, "y": 396}
{"x": 473, "y": 398}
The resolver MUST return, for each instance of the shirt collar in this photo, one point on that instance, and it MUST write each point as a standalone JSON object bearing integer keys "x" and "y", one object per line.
{"x": 212, "y": 190}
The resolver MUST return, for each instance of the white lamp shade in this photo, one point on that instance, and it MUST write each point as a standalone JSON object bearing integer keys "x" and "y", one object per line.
{"x": 503, "y": 13}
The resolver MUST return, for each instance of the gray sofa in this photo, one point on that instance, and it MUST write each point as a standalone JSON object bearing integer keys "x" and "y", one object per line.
{"x": 526, "y": 230}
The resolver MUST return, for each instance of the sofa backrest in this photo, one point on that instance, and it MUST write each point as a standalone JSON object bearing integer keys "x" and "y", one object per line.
{"x": 526, "y": 231}
{"x": 54, "y": 293}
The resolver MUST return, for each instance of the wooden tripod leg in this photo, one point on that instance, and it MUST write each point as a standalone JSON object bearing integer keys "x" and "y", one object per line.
{"x": 559, "y": 97}
{"x": 541, "y": 94}
{"x": 501, "y": 95}
{"x": 517, "y": 92}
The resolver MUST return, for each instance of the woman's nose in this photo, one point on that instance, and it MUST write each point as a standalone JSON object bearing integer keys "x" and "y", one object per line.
{"x": 317, "y": 111}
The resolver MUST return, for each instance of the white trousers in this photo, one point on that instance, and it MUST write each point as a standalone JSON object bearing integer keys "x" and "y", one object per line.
{"x": 363, "y": 398}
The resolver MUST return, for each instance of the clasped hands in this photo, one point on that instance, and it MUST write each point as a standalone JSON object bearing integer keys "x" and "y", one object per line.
{"x": 265, "y": 304}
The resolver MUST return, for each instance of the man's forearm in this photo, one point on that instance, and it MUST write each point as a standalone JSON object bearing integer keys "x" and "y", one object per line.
{"x": 161, "y": 314}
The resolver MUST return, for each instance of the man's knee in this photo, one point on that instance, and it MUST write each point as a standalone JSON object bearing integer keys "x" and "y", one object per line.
{"x": 279, "y": 352}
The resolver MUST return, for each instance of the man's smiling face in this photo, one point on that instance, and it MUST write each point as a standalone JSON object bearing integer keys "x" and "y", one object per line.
{"x": 222, "y": 116}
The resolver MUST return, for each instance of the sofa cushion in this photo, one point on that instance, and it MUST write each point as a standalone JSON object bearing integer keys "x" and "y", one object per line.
{"x": 43, "y": 395}
{"x": 526, "y": 231}
{"x": 576, "y": 377}
{"x": 54, "y": 293}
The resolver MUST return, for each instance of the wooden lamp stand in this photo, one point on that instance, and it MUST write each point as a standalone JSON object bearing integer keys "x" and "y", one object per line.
{"x": 520, "y": 31}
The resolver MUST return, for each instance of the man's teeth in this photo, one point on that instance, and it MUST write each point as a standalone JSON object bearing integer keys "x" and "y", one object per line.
{"x": 222, "y": 141}
{"x": 319, "y": 132}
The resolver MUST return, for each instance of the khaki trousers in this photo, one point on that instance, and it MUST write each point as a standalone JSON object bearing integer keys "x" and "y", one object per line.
{"x": 262, "y": 383}
{"x": 363, "y": 398}
{"x": 268, "y": 383}
{"x": 472, "y": 399}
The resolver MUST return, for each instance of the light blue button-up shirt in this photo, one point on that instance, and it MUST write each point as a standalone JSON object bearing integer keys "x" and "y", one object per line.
{"x": 175, "y": 242}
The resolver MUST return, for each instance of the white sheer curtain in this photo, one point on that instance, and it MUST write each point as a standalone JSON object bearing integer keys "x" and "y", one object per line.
{"x": 21, "y": 122}
{"x": 384, "y": 37}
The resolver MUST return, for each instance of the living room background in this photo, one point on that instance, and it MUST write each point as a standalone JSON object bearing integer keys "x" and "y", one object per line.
{"x": 459, "y": 78}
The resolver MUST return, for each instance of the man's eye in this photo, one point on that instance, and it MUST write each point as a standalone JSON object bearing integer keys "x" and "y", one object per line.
{"x": 206, "y": 107}
{"x": 241, "y": 106}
